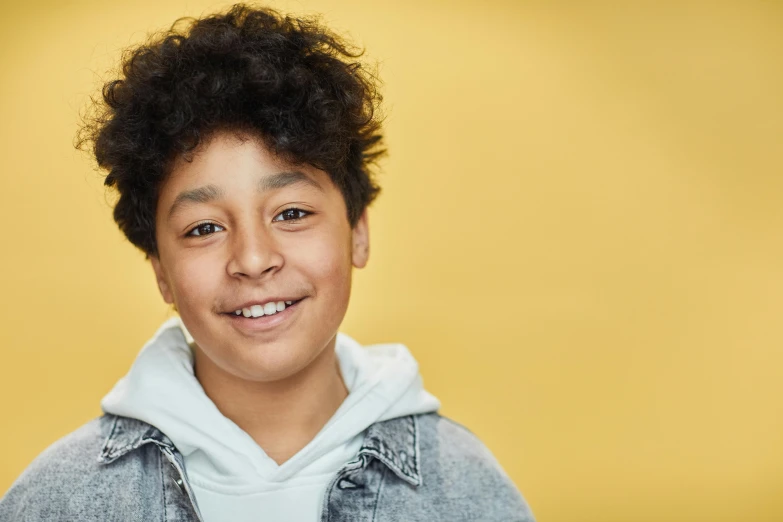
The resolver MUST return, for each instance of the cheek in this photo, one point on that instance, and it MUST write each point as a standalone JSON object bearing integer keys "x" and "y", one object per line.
{"x": 327, "y": 262}
{"x": 194, "y": 279}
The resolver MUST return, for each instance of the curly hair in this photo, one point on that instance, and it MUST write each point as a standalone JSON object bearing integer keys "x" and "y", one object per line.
{"x": 288, "y": 80}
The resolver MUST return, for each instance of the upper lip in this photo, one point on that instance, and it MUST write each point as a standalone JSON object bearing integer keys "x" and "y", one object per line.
{"x": 248, "y": 304}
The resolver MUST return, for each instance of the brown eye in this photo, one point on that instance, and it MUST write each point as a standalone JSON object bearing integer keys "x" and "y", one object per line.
{"x": 291, "y": 214}
{"x": 204, "y": 229}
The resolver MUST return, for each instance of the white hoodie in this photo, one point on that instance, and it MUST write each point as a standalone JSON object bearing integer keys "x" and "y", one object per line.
{"x": 232, "y": 478}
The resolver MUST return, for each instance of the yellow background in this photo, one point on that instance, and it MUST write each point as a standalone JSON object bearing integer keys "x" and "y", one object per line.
{"x": 579, "y": 238}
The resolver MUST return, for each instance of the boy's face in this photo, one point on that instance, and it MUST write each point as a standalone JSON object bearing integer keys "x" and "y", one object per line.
{"x": 229, "y": 238}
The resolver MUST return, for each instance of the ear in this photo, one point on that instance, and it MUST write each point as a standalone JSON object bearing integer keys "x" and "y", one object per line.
{"x": 163, "y": 284}
{"x": 361, "y": 241}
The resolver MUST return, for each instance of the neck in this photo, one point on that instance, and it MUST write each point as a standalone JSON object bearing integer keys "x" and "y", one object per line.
{"x": 281, "y": 416}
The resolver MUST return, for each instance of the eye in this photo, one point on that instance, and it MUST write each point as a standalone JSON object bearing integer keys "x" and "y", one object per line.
{"x": 291, "y": 214}
{"x": 203, "y": 229}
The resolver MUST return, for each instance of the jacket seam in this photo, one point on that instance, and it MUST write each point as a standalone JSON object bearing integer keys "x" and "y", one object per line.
{"x": 378, "y": 495}
{"x": 416, "y": 457}
{"x": 162, "y": 484}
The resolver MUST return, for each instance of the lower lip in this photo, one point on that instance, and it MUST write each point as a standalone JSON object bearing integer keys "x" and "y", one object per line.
{"x": 265, "y": 322}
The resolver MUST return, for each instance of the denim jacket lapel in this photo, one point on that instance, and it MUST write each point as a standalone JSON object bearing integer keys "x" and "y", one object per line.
{"x": 127, "y": 434}
{"x": 395, "y": 443}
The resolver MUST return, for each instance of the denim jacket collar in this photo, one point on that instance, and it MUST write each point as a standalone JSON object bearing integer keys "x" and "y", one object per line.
{"x": 126, "y": 435}
{"x": 394, "y": 442}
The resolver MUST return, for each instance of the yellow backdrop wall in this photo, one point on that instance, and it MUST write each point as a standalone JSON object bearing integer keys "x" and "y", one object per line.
{"x": 579, "y": 238}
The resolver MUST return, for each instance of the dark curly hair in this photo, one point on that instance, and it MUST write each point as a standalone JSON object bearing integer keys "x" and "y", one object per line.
{"x": 290, "y": 81}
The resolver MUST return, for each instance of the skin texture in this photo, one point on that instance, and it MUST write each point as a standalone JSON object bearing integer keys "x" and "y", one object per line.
{"x": 281, "y": 385}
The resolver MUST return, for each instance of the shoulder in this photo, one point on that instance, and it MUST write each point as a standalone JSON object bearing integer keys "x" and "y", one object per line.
{"x": 453, "y": 442}
{"x": 454, "y": 459}
{"x": 73, "y": 454}
{"x": 68, "y": 476}
{"x": 71, "y": 448}
{"x": 452, "y": 445}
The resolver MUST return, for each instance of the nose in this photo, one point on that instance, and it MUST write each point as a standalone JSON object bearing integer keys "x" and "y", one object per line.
{"x": 254, "y": 253}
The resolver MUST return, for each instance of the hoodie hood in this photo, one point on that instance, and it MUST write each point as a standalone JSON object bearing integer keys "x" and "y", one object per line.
{"x": 161, "y": 389}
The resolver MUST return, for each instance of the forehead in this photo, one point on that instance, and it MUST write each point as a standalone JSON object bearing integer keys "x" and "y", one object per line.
{"x": 231, "y": 162}
{"x": 224, "y": 153}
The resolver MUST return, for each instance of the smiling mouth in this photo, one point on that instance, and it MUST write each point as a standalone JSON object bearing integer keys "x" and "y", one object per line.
{"x": 261, "y": 311}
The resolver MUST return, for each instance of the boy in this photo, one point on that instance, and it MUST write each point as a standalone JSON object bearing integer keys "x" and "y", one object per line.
{"x": 241, "y": 151}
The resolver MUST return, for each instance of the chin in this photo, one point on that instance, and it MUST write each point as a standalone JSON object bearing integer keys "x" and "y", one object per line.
{"x": 269, "y": 362}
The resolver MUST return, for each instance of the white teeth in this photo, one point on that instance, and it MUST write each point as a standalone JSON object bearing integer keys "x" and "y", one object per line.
{"x": 258, "y": 310}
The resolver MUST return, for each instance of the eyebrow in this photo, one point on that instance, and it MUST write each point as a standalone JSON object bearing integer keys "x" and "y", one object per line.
{"x": 209, "y": 193}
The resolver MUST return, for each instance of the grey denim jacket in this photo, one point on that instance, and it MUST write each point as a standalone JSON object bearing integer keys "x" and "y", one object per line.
{"x": 415, "y": 468}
